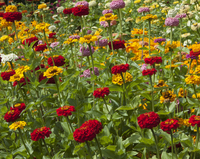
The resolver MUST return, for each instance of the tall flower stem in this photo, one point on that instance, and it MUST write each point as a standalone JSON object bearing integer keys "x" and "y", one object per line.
{"x": 20, "y": 134}
{"x": 149, "y": 37}
{"x": 57, "y": 85}
{"x": 46, "y": 148}
{"x": 143, "y": 38}
{"x": 197, "y": 140}
{"x": 172, "y": 145}
{"x": 111, "y": 40}
{"x": 180, "y": 58}
{"x": 156, "y": 142}
{"x": 152, "y": 98}
{"x": 106, "y": 104}
{"x": 124, "y": 88}
{"x": 93, "y": 82}
{"x": 195, "y": 90}
{"x": 88, "y": 146}
{"x": 70, "y": 124}
{"x": 98, "y": 147}
{"x": 14, "y": 26}
{"x": 72, "y": 53}
{"x": 190, "y": 66}
{"x": 120, "y": 21}
{"x": 171, "y": 52}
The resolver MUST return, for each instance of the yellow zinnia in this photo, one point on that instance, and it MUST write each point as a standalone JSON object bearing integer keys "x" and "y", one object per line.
{"x": 88, "y": 39}
{"x": 17, "y": 124}
{"x": 16, "y": 77}
{"x": 41, "y": 6}
{"x": 11, "y": 8}
{"x": 117, "y": 79}
{"x": 22, "y": 69}
{"x": 53, "y": 71}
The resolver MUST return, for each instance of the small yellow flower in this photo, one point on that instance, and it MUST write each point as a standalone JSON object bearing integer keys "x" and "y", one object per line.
{"x": 194, "y": 95}
{"x": 42, "y": 26}
{"x": 167, "y": 96}
{"x": 52, "y": 71}
{"x": 88, "y": 39}
{"x": 70, "y": 41}
{"x": 117, "y": 79}
{"x": 137, "y": 1}
{"x": 176, "y": 2}
{"x": 4, "y": 37}
{"x": 16, "y": 77}
{"x": 149, "y": 17}
{"x": 181, "y": 93}
{"x": 172, "y": 66}
{"x": 108, "y": 17}
{"x": 41, "y": 6}
{"x": 161, "y": 83}
{"x": 192, "y": 79}
{"x": 11, "y": 8}
{"x": 17, "y": 124}
{"x": 22, "y": 69}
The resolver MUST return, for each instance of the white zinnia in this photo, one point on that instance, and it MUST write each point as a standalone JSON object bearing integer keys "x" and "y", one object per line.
{"x": 60, "y": 9}
{"x": 52, "y": 28}
{"x": 9, "y": 57}
{"x": 92, "y": 3}
{"x": 171, "y": 13}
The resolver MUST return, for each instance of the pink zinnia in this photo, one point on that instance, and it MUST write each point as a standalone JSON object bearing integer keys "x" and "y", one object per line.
{"x": 171, "y": 22}
{"x": 143, "y": 9}
{"x": 116, "y": 4}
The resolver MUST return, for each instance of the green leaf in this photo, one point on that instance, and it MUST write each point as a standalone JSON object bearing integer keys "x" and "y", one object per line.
{"x": 143, "y": 48}
{"x": 125, "y": 108}
{"x": 166, "y": 136}
{"x": 115, "y": 88}
{"x": 78, "y": 147}
{"x": 111, "y": 147}
{"x": 166, "y": 155}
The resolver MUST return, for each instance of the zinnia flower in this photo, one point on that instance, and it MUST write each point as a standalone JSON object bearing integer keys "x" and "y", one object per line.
{"x": 6, "y": 75}
{"x": 149, "y": 72}
{"x": 117, "y": 44}
{"x": 12, "y": 115}
{"x": 169, "y": 124}
{"x": 12, "y": 16}
{"x": 80, "y": 10}
{"x": 30, "y": 40}
{"x": 67, "y": 11}
{"x": 59, "y": 60}
{"x": 17, "y": 124}
{"x": 41, "y": 47}
{"x": 194, "y": 120}
{"x": 40, "y": 133}
{"x": 53, "y": 71}
{"x": 65, "y": 110}
{"x": 171, "y": 22}
{"x": 86, "y": 51}
{"x": 153, "y": 60}
{"x": 116, "y": 4}
{"x": 119, "y": 68}
{"x": 148, "y": 120}
{"x": 101, "y": 92}
{"x": 19, "y": 106}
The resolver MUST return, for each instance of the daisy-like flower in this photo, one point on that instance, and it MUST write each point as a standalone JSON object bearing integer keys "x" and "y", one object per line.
{"x": 17, "y": 124}
{"x": 88, "y": 39}
{"x": 53, "y": 71}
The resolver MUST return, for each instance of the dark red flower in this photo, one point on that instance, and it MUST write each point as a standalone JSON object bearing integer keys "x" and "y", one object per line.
{"x": 41, "y": 47}
{"x": 22, "y": 82}
{"x": 1, "y": 14}
{"x": 39, "y": 67}
{"x": 30, "y": 40}
{"x": 117, "y": 44}
{"x": 88, "y": 131}
{"x": 12, "y": 115}
{"x": 169, "y": 124}
{"x": 80, "y": 10}
{"x": 67, "y": 11}
{"x": 65, "y": 110}
{"x": 196, "y": 54}
{"x": 149, "y": 72}
{"x": 101, "y": 92}
{"x": 12, "y": 16}
{"x": 194, "y": 120}
{"x": 6, "y": 75}
{"x": 58, "y": 60}
{"x": 50, "y": 80}
{"x": 119, "y": 68}
{"x": 2, "y": 4}
{"x": 148, "y": 120}
{"x": 153, "y": 60}
{"x": 40, "y": 133}
{"x": 177, "y": 146}
{"x": 52, "y": 35}
{"x": 19, "y": 106}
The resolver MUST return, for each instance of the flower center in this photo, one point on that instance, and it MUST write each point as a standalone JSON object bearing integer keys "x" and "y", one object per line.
{"x": 53, "y": 71}
{"x": 169, "y": 122}
{"x": 65, "y": 107}
{"x": 197, "y": 117}
{"x": 40, "y": 129}
{"x": 17, "y": 105}
{"x": 11, "y": 112}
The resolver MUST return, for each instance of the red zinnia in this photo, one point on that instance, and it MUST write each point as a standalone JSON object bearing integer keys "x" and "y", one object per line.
{"x": 41, "y": 47}
{"x": 149, "y": 72}
{"x": 30, "y": 40}
{"x": 80, "y": 10}
{"x": 22, "y": 81}
{"x": 2, "y": 4}
{"x": 39, "y": 67}
{"x": 12, "y": 115}
{"x": 88, "y": 131}
{"x": 40, "y": 133}
{"x": 153, "y": 60}
{"x": 19, "y": 106}
{"x": 67, "y": 11}
{"x": 1, "y": 14}
{"x": 101, "y": 92}
{"x": 148, "y": 120}
{"x": 194, "y": 53}
{"x": 117, "y": 44}
{"x": 65, "y": 110}
{"x": 169, "y": 124}
{"x": 194, "y": 120}
{"x": 12, "y": 16}
{"x": 119, "y": 68}
{"x": 58, "y": 60}
{"x": 50, "y": 80}
{"x": 52, "y": 35}
{"x": 6, "y": 75}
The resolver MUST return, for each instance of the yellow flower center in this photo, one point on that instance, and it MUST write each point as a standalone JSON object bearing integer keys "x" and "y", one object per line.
{"x": 17, "y": 105}
{"x": 197, "y": 117}
{"x": 65, "y": 107}
{"x": 11, "y": 112}
{"x": 170, "y": 122}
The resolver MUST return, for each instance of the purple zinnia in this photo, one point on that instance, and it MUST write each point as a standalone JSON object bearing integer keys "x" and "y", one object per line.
{"x": 104, "y": 24}
{"x": 82, "y": 3}
{"x": 116, "y": 4}
{"x": 188, "y": 56}
{"x": 75, "y": 37}
{"x": 86, "y": 73}
{"x": 54, "y": 44}
{"x": 180, "y": 16}
{"x": 171, "y": 22}
{"x": 159, "y": 40}
{"x": 86, "y": 51}
{"x": 107, "y": 11}
{"x": 101, "y": 43}
{"x": 143, "y": 9}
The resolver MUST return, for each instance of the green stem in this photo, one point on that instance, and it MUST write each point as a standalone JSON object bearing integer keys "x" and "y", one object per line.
{"x": 72, "y": 54}
{"x": 172, "y": 145}
{"x": 190, "y": 66}
{"x": 124, "y": 88}
{"x": 14, "y": 26}
{"x": 149, "y": 37}
{"x": 98, "y": 147}
{"x": 180, "y": 58}
{"x": 152, "y": 89}
{"x": 56, "y": 81}
{"x": 106, "y": 104}
{"x": 20, "y": 134}
{"x": 156, "y": 142}
{"x": 70, "y": 124}
{"x": 46, "y": 148}
{"x": 88, "y": 146}
{"x": 111, "y": 40}
{"x": 120, "y": 22}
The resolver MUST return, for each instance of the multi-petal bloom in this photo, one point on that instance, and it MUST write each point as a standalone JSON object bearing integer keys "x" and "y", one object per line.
{"x": 117, "y": 44}
{"x": 167, "y": 96}
{"x": 53, "y": 71}
{"x": 119, "y": 68}
{"x": 88, "y": 39}
{"x": 101, "y": 92}
{"x": 12, "y": 115}
{"x": 59, "y": 60}
{"x": 148, "y": 120}
{"x": 116, "y": 4}
{"x": 6, "y": 75}
{"x": 149, "y": 72}
{"x": 80, "y": 10}
{"x": 192, "y": 79}
{"x": 65, "y": 110}
{"x": 194, "y": 120}
{"x": 171, "y": 22}
{"x": 12, "y": 16}
{"x": 41, "y": 47}
{"x": 31, "y": 40}
{"x": 17, "y": 124}
{"x": 40, "y": 133}
{"x": 67, "y": 11}
{"x": 153, "y": 60}
{"x": 169, "y": 124}
{"x": 19, "y": 106}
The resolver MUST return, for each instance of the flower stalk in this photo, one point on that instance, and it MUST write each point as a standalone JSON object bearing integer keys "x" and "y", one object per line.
{"x": 156, "y": 142}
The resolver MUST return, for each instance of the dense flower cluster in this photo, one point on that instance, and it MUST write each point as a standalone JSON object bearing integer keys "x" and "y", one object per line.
{"x": 67, "y": 11}
{"x": 65, "y": 110}
{"x": 12, "y": 16}
{"x": 169, "y": 124}
{"x": 6, "y": 75}
{"x": 40, "y": 133}
{"x": 167, "y": 96}
{"x": 148, "y": 120}
{"x": 119, "y": 68}
{"x": 59, "y": 60}
{"x": 12, "y": 115}
{"x": 171, "y": 22}
{"x": 192, "y": 79}
{"x": 116, "y": 4}
{"x": 194, "y": 120}
{"x": 153, "y": 60}
{"x": 87, "y": 131}
{"x": 80, "y": 10}
{"x": 117, "y": 79}
{"x": 149, "y": 72}
{"x": 117, "y": 44}
{"x": 53, "y": 71}
{"x": 17, "y": 124}
{"x": 101, "y": 92}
